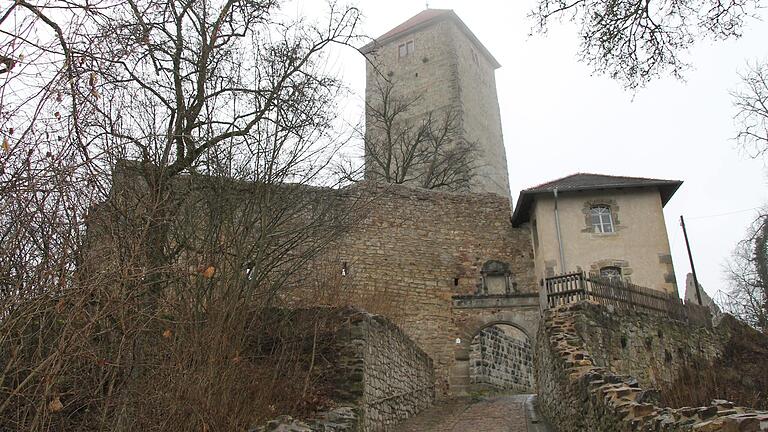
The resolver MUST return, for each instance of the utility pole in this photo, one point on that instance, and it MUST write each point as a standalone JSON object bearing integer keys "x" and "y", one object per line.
{"x": 690, "y": 258}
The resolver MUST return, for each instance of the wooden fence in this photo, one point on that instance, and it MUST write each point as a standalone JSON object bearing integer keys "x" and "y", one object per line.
{"x": 574, "y": 287}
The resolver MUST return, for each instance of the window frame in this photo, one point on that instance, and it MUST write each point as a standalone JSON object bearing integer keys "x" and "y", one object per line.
{"x": 406, "y": 48}
{"x": 618, "y": 274}
{"x": 601, "y": 217}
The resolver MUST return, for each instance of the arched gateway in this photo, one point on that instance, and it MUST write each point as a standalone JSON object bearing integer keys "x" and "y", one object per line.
{"x": 501, "y": 358}
{"x": 495, "y": 349}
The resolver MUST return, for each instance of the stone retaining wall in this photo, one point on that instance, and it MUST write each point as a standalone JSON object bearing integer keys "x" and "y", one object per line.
{"x": 578, "y": 395}
{"x": 380, "y": 378}
{"x": 501, "y": 360}
{"x": 398, "y": 377}
{"x": 649, "y": 348}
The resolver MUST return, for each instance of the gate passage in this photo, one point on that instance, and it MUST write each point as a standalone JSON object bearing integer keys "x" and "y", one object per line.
{"x": 501, "y": 358}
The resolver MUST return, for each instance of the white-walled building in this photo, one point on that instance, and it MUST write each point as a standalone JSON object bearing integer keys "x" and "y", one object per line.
{"x": 603, "y": 225}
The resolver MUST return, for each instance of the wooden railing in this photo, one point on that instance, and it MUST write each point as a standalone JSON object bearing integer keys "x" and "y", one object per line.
{"x": 573, "y": 287}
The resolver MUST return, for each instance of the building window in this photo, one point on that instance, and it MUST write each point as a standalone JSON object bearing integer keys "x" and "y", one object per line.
{"x": 602, "y": 222}
{"x": 612, "y": 274}
{"x": 406, "y": 49}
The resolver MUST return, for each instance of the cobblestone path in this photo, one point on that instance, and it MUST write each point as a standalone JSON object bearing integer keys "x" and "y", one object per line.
{"x": 504, "y": 413}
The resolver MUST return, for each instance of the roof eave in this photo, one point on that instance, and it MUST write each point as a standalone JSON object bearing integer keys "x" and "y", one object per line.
{"x": 668, "y": 191}
{"x": 522, "y": 215}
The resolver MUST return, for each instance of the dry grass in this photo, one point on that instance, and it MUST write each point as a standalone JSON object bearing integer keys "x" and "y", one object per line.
{"x": 738, "y": 375}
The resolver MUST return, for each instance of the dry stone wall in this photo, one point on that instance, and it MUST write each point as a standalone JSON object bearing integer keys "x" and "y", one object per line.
{"x": 577, "y": 394}
{"x": 501, "y": 360}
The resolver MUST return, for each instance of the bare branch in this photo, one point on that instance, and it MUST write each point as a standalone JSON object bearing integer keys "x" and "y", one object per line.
{"x": 751, "y": 103}
{"x": 635, "y": 41}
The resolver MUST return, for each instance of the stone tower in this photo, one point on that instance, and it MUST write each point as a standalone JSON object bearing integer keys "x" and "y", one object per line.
{"x": 434, "y": 55}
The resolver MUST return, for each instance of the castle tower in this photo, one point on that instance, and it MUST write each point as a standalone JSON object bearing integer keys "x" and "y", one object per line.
{"x": 438, "y": 65}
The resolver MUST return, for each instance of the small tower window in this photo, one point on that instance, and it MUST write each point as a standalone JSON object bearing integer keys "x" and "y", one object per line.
{"x": 602, "y": 221}
{"x": 406, "y": 49}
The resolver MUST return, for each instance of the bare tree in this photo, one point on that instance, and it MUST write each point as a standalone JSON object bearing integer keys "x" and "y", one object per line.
{"x": 751, "y": 102}
{"x": 634, "y": 41}
{"x": 133, "y": 291}
{"x": 191, "y": 87}
{"x": 403, "y": 145}
{"x": 747, "y": 272}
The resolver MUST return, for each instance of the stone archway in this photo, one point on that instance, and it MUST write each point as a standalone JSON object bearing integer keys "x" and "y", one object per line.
{"x": 501, "y": 358}
{"x": 523, "y": 319}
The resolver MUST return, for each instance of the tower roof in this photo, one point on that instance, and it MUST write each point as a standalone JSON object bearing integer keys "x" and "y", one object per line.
{"x": 425, "y": 19}
{"x": 586, "y": 181}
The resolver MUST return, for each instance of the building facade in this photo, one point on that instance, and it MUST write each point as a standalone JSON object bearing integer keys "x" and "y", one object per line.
{"x": 607, "y": 226}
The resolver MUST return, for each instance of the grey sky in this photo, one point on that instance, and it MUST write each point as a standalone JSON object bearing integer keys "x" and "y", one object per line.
{"x": 559, "y": 119}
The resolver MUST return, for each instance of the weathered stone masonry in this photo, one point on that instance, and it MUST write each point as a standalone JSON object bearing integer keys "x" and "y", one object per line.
{"x": 421, "y": 255}
{"x": 398, "y": 376}
{"x": 380, "y": 378}
{"x": 579, "y": 395}
{"x": 647, "y": 347}
{"x": 502, "y": 360}
{"x": 416, "y": 249}
{"x": 449, "y": 70}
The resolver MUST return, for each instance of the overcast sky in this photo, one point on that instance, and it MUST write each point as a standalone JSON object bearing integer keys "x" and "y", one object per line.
{"x": 559, "y": 119}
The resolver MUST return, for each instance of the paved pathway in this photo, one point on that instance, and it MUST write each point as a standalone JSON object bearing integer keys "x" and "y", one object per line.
{"x": 500, "y": 413}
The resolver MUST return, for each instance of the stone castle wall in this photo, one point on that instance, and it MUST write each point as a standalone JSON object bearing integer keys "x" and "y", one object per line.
{"x": 416, "y": 249}
{"x": 577, "y": 394}
{"x": 501, "y": 360}
{"x": 430, "y": 71}
{"x": 404, "y": 253}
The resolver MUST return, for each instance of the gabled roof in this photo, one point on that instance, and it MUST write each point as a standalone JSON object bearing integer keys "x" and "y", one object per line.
{"x": 586, "y": 181}
{"x": 422, "y": 20}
